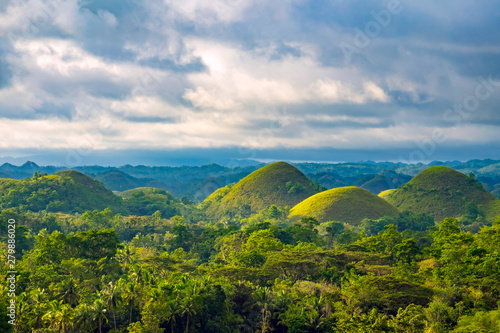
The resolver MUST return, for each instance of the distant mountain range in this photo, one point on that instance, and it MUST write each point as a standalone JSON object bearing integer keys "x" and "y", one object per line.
{"x": 437, "y": 191}
{"x": 198, "y": 182}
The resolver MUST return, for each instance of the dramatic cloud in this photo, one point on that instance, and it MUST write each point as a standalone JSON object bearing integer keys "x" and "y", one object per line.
{"x": 294, "y": 74}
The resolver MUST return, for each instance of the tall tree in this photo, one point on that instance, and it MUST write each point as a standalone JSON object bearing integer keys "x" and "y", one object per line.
{"x": 112, "y": 296}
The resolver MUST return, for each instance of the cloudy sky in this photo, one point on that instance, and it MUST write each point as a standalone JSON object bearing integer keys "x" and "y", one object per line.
{"x": 327, "y": 80}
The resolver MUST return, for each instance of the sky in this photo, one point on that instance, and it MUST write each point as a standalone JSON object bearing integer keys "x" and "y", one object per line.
{"x": 129, "y": 81}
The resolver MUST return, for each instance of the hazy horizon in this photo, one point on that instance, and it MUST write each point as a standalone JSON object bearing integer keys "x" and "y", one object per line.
{"x": 69, "y": 159}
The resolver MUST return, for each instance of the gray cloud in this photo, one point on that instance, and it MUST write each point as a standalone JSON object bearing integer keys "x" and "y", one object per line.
{"x": 198, "y": 72}
{"x": 5, "y": 74}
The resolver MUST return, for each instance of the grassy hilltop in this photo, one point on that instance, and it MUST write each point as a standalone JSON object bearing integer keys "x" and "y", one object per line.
{"x": 345, "y": 204}
{"x": 442, "y": 192}
{"x": 65, "y": 191}
{"x": 278, "y": 184}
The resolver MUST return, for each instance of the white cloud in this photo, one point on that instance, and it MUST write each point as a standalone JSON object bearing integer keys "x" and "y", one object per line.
{"x": 28, "y": 18}
{"x": 236, "y": 78}
{"x": 145, "y": 106}
{"x": 108, "y": 18}
{"x": 14, "y": 17}
{"x": 209, "y": 12}
{"x": 203, "y": 98}
{"x": 67, "y": 60}
{"x": 17, "y": 100}
{"x": 42, "y": 65}
{"x": 73, "y": 78}
{"x": 69, "y": 17}
{"x": 334, "y": 91}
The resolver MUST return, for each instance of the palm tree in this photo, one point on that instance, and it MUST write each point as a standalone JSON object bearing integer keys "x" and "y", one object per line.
{"x": 125, "y": 257}
{"x": 99, "y": 313}
{"x": 65, "y": 317}
{"x": 172, "y": 309}
{"x": 135, "y": 274}
{"x": 129, "y": 296}
{"x": 187, "y": 308}
{"x": 23, "y": 312}
{"x": 112, "y": 296}
{"x": 84, "y": 318}
{"x": 39, "y": 304}
{"x": 52, "y": 316}
{"x": 68, "y": 291}
{"x": 264, "y": 298}
{"x": 147, "y": 276}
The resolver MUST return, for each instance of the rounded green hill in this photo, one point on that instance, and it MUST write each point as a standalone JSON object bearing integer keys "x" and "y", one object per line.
{"x": 148, "y": 191}
{"x": 65, "y": 191}
{"x": 344, "y": 204}
{"x": 117, "y": 180}
{"x": 147, "y": 200}
{"x": 377, "y": 184}
{"x": 279, "y": 184}
{"x": 442, "y": 192}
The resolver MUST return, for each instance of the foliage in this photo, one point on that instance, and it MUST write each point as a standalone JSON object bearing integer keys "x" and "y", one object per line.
{"x": 346, "y": 204}
{"x": 101, "y": 271}
{"x": 65, "y": 191}
{"x": 147, "y": 200}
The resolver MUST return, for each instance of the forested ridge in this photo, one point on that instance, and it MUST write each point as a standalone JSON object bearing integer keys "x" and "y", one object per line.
{"x": 198, "y": 182}
{"x": 155, "y": 263}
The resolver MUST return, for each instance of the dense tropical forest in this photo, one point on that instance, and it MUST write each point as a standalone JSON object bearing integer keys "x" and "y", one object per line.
{"x": 276, "y": 248}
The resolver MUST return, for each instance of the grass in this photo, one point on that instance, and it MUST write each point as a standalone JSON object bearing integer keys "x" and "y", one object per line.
{"x": 385, "y": 193}
{"x": 345, "y": 204}
{"x": 279, "y": 184}
{"x": 219, "y": 194}
{"x": 442, "y": 192}
{"x": 147, "y": 191}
